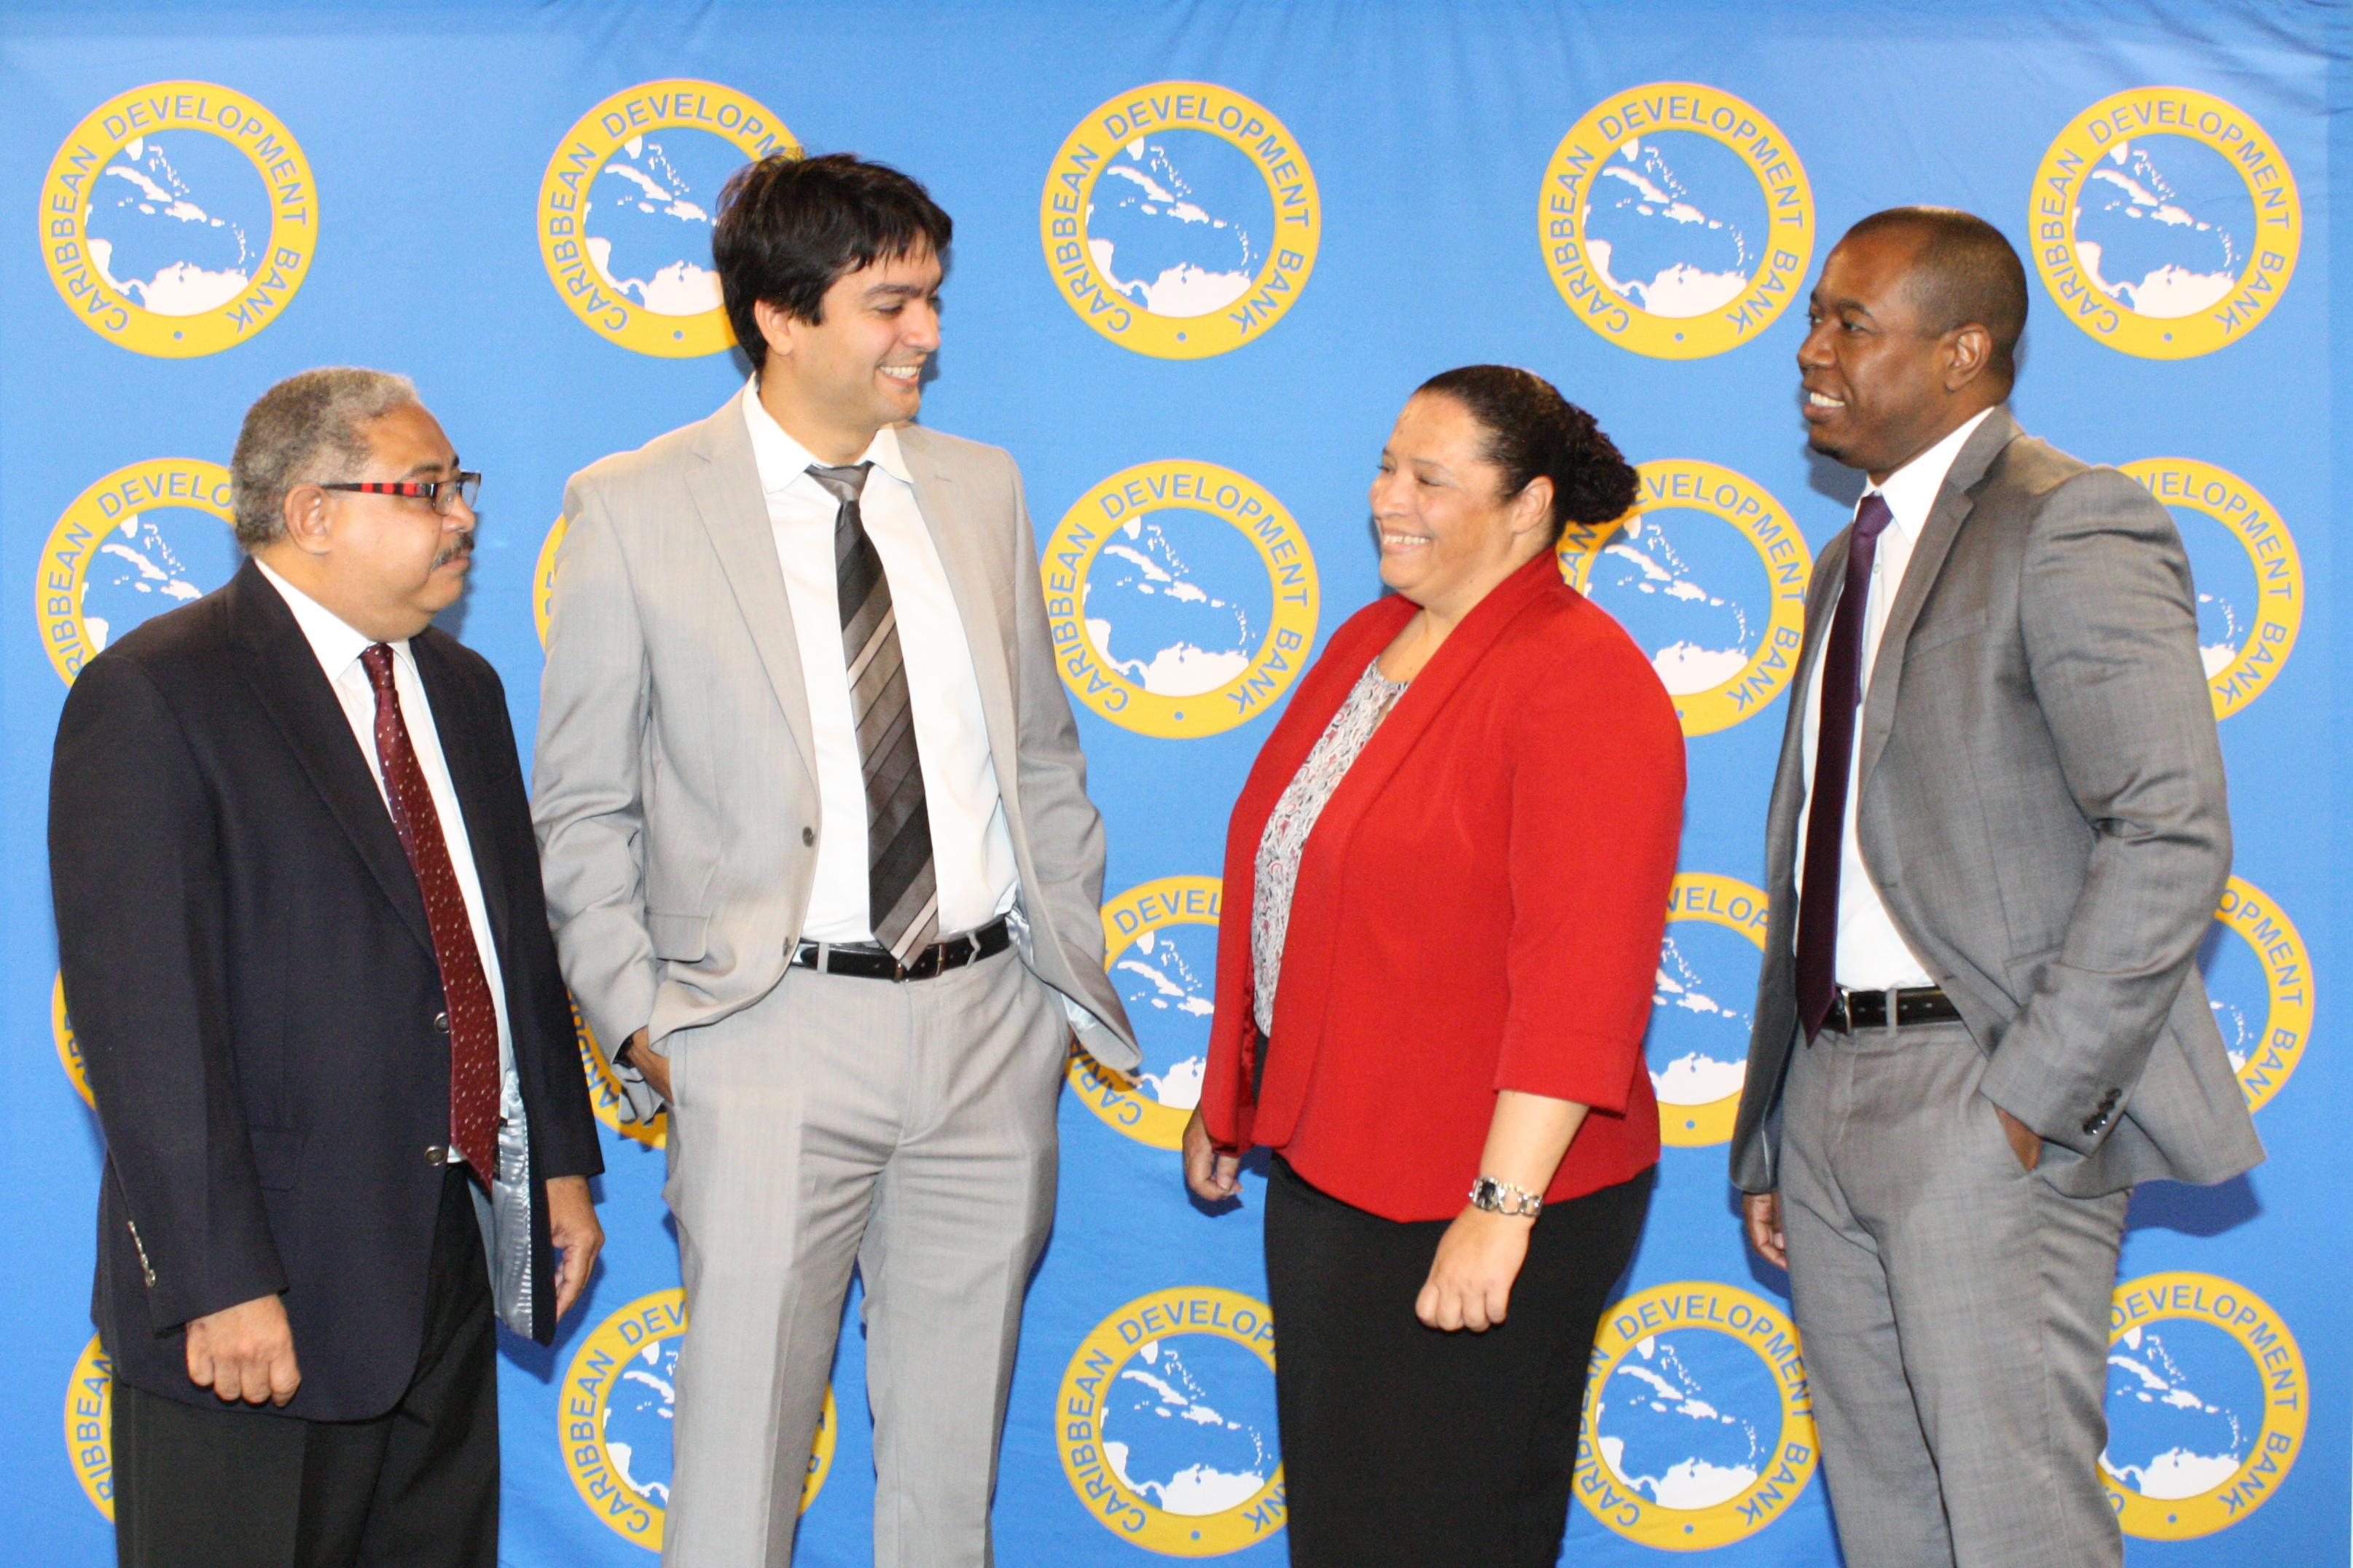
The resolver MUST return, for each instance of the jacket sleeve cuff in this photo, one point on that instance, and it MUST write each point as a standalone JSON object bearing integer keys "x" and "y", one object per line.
{"x": 1589, "y": 1071}
{"x": 2074, "y": 1113}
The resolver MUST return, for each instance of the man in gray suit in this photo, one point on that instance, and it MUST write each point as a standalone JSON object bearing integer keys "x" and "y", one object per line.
{"x": 818, "y": 852}
{"x": 1980, "y": 1020}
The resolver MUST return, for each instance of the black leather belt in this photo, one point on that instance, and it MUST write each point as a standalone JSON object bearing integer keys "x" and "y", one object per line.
{"x": 871, "y": 963}
{"x": 1853, "y": 1010}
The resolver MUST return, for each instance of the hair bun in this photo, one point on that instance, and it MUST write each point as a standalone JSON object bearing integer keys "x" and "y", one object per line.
{"x": 1534, "y": 432}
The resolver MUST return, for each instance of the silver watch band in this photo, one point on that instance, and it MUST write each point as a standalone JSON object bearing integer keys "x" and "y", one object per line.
{"x": 1504, "y": 1198}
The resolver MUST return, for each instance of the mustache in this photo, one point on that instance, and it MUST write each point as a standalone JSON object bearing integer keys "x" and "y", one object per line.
{"x": 461, "y": 548}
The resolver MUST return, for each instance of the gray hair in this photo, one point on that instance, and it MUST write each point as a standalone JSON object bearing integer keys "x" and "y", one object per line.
{"x": 303, "y": 430}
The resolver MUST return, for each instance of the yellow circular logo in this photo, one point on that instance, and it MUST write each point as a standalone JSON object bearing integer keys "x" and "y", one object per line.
{"x": 625, "y": 207}
{"x": 179, "y": 219}
{"x": 119, "y": 554}
{"x": 2206, "y": 1404}
{"x": 1723, "y": 649}
{"x": 90, "y": 1426}
{"x": 614, "y": 1418}
{"x": 2267, "y": 1038}
{"x": 542, "y": 579}
{"x": 2166, "y": 222}
{"x": 606, "y": 1096}
{"x": 1166, "y": 972}
{"x": 1166, "y": 1423}
{"x": 1699, "y": 1426}
{"x": 1676, "y": 220}
{"x": 1698, "y": 1041}
{"x": 2246, "y": 621}
{"x": 1165, "y": 623}
{"x": 1180, "y": 220}
{"x": 68, "y": 1048}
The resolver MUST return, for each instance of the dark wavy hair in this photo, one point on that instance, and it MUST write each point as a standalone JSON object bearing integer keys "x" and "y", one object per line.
{"x": 1534, "y": 432}
{"x": 788, "y": 229}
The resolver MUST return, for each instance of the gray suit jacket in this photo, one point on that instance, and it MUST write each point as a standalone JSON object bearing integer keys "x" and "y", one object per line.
{"x": 2042, "y": 805}
{"x": 674, "y": 791}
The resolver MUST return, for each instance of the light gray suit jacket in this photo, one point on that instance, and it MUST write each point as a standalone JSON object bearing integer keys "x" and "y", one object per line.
{"x": 2042, "y": 805}
{"x": 674, "y": 785}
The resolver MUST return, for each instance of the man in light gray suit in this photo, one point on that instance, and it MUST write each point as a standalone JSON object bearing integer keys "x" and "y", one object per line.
{"x": 818, "y": 851}
{"x": 1995, "y": 839}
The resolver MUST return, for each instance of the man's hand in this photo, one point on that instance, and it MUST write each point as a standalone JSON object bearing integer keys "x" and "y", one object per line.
{"x": 654, "y": 1070}
{"x": 1213, "y": 1176}
{"x": 1763, "y": 1212}
{"x": 245, "y": 1352}
{"x": 573, "y": 1230}
{"x": 2024, "y": 1141}
{"x": 1470, "y": 1283}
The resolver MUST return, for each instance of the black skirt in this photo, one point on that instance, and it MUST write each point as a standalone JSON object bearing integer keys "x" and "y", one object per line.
{"x": 1406, "y": 1446}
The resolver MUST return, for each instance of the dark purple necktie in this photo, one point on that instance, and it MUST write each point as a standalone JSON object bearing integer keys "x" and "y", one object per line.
{"x": 1817, "y": 900}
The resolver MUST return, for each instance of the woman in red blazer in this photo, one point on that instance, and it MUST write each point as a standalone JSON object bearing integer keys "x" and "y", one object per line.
{"x": 1445, "y": 885}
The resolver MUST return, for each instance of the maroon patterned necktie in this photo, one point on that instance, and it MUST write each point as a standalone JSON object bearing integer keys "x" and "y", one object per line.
{"x": 1817, "y": 900}
{"x": 473, "y": 1022}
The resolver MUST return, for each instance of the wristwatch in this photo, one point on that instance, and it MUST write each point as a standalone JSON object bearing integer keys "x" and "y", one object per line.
{"x": 1504, "y": 1198}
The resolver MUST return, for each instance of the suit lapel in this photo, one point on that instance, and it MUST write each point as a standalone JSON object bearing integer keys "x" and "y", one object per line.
{"x": 277, "y": 661}
{"x": 1821, "y": 603}
{"x": 734, "y": 513}
{"x": 957, "y": 537}
{"x": 1308, "y": 711}
{"x": 462, "y": 750}
{"x": 1928, "y": 555}
{"x": 1789, "y": 777}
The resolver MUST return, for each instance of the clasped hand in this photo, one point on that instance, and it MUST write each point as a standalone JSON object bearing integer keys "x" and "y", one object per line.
{"x": 1470, "y": 1283}
{"x": 1213, "y": 1174}
{"x": 245, "y": 1352}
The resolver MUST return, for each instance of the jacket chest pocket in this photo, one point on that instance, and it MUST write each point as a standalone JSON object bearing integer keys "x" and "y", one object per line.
{"x": 1945, "y": 632}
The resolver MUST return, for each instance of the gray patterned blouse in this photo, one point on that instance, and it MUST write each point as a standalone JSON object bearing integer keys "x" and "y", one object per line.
{"x": 1302, "y": 801}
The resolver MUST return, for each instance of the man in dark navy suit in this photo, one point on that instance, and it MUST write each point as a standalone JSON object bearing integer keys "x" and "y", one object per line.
{"x": 302, "y": 936}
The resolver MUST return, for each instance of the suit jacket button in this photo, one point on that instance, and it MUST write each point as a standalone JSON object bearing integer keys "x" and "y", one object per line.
{"x": 808, "y": 835}
{"x": 441, "y": 1023}
{"x": 436, "y": 1154}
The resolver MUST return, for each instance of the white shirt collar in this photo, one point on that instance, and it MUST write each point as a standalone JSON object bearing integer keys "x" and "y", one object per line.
{"x": 782, "y": 460}
{"x": 1911, "y": 490}
{"x": 331, "y": 639}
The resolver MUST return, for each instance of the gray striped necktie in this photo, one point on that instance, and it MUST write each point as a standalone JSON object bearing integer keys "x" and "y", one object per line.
{"x": 901, "y": 897}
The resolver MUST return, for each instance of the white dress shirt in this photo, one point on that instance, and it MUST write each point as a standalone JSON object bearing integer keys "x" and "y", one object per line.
{"x": 972, "y": 847}
{"x": 1871, "y": 953}
{"x": 337, "y": 648}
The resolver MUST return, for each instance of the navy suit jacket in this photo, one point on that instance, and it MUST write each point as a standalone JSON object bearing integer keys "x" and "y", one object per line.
{"x": 253, "y": 986}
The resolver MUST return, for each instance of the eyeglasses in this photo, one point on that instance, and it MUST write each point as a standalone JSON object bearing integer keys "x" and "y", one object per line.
{"x": 445, "y": 494}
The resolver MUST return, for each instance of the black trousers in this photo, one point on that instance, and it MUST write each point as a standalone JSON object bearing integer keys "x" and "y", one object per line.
{"x": 1404, "y": 1446}
{"x": 223, "y": 1486}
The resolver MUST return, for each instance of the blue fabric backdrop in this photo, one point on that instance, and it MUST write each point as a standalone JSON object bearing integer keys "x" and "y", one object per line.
{"x": 1204, "y": 251}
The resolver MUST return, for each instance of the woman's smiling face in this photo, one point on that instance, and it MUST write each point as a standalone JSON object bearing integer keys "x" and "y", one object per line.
{"x": 1447, "y": 532}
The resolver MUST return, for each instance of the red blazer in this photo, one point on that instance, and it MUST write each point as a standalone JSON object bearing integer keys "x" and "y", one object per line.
{"x": 1479, "y": 908}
